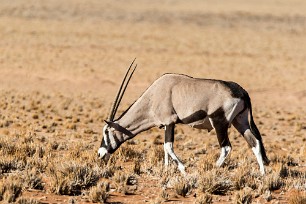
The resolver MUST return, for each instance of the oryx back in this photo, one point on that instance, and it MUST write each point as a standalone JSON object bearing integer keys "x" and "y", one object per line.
{"x": 177, "y": 98}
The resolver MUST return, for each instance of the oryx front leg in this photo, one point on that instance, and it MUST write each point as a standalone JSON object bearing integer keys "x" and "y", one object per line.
{"x": 221, "y": 126}
{"x": 168, "y": 148}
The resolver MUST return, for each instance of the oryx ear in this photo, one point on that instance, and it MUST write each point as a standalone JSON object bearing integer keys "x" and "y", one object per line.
{"x": 109, "y": 123}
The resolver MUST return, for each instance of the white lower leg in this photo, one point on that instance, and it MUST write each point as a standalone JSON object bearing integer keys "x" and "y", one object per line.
{"x": 166, "y": 155}
{"x": 223, "y": 155}
{"x": 258, "y": 155}
{"x": 168, "y": 147}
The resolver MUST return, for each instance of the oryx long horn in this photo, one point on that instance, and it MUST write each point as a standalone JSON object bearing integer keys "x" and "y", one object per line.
{"x": 120, "y": 93}
{"x": 127, "y": 82}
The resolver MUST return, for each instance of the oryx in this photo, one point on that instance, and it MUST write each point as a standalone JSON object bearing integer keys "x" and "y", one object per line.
{"x": 176, "y": 98}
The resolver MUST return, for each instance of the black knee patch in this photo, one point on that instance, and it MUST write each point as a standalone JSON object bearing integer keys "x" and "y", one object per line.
{"x": 169, "y": 133}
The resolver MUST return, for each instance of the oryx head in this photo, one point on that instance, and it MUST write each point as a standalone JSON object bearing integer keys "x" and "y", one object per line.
{"x": 110, "y": 141}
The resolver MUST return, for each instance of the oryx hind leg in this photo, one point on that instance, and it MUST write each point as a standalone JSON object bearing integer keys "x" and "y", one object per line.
{"x": 241, "y": 123}
{"x": 220, "y": 123}
{"x": 168, "y": 148}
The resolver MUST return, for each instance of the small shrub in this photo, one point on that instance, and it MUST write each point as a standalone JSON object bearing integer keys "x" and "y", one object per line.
{"x": 268, "y": 196}
{"x": 283, "y": 171}
{"x": 182, "y": 188}
{"x": 8, "y": 164}
{"x": 272, "y": 182}
{"x": 99, "y": 193}
{"x": 40, "y": 151}
{"x": 244, "y": 178}
{"x": 155, "y": 155}
{"x": 7, "y": 148}
{"x": 40, "y": 164}
{"x": 239, "y": 181}
{"x": 205, "y": 198}
{"x": 207, "y": 163}
{"x": 120, "y": 177}
{"x": 137, "y": 167}
{"x": 26, "y": 149}
{"x": 33, "y": 180}
{"x": 164, "y": 195}
{"x": 126, "y": 153}
{"x": 108, "y": 171}
{"x": 126, "y": 184}
{"x": 220, "y": 188}
{"x": 11, "y": 188}
{"x": 243, "y": 197}
{"x": 73, "y": 178}
{"x": 213, "y": 182}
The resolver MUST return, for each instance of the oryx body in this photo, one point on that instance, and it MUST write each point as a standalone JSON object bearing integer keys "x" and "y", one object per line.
{"x": 200, "y": 103}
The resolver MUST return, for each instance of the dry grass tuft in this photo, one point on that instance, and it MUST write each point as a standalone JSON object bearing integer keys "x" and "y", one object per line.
{"x": 207, "y": 163}
{"x": 182, "y": 187}
{"x": 243, "y": 197}
{"x": 244, "y": 177}
{"x": 10, "y": 189}
{"x": 164, "y": 195}
{"x": 99, "y": 193}
{"x": 137, "y": 167}
{"x": 32, "y": 180}
{"x": 108, "y": 171}
{"x": 204, "y": 198}
{"x": 120, "y": 177}
{"x": 272, "y": 182}
{"x": 9, "y": 164}
{"x": 72, "y": 178}
{"x": 127, "y": 152}
{"x": 155, "y": 155}
{"x": 126, "y": 184}
{"x": 215, "y": 182}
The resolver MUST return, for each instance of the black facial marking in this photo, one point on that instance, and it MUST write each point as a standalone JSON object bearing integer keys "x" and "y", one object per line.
{"x": 199, "y": 115}
{"x": 116, "y": 139}
{"x": 107, "y": 140}
{"x": 103, "y": 142}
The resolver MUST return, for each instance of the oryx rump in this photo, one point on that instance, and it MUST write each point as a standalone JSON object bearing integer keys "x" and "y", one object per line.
{"x": 176, "y": 98}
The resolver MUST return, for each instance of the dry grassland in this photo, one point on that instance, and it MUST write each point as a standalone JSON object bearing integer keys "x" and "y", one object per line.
{"x": 62, "y": 61}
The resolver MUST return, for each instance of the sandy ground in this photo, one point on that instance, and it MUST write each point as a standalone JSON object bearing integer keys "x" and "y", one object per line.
{"x": 77, "y": 51}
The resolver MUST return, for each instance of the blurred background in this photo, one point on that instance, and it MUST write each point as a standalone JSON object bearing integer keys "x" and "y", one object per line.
{"x": 59, "y": 45}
